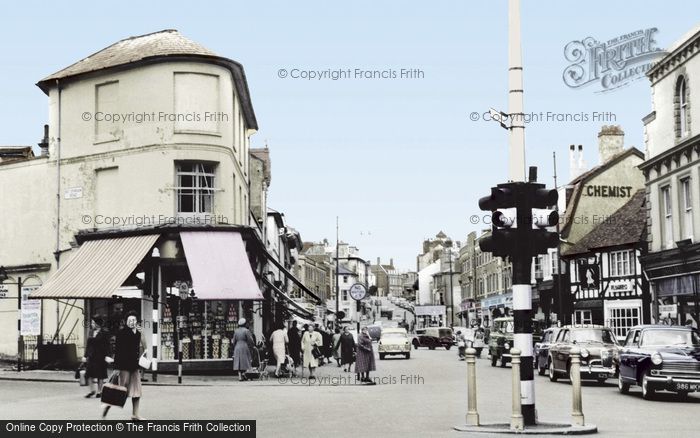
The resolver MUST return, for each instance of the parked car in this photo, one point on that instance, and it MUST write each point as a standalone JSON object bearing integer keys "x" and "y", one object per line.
{"x": 433, "y": 337}
{"x": 541, "y": 351}
{"x": 660, "y": 357}
{"x": 394, "y": 341}
{"x": 599, "y": 350}
{"x": 501, "y": 340}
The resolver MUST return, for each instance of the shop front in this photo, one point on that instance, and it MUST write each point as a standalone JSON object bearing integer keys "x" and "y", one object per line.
{"x": 184, "y": 284}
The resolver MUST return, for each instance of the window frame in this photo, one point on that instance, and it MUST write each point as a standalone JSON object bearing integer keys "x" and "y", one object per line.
{"x": 666, "y": 216}
{"x": 198, "y": 191}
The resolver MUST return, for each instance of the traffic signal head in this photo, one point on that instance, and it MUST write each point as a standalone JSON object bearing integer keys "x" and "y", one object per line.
{"x": 500, "y": 197}
{"x": 541, "y": 241}
{"x": 499, "y": 243}
{"x": 505, "y": 218}
{"x": 543, "y": 218}
{"x": 544, "y": 198}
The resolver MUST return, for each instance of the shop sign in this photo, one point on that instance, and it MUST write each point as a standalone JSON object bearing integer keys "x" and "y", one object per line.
{"x": 430, "y": 310}
{"x": 668, "y": 310}
{"x": 620, "y": 288}
{"x": 73, "y": 193}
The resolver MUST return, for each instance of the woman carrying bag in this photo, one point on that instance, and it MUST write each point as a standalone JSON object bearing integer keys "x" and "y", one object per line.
{"x": 129, "y": 347}
{"x": 97, "y": 356}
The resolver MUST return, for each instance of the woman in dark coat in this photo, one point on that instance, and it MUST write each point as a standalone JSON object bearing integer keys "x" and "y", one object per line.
{"x": 128, "y": 349}
{"x": 97, "y": 356}
{"x": 365, "y": 357}
{"x": 242, "y": 358}
{"x": 347, "y": 349}
{"x": 294, "y": 343}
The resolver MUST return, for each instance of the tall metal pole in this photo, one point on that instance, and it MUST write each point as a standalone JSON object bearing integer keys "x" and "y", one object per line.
{"x": 516, "y": 156}
{"x": 450, "y": 318}
{"x": 560, "y": 292}
{"x": 337, "y": 264}
{"x": 20, "y": 346}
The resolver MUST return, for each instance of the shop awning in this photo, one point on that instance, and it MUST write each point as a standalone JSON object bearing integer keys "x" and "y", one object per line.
{"x": 292, "y": 305}
{"x": 219, "y": 266}
{"x": 294, "y": 280}
{"x": 98, "y": 268}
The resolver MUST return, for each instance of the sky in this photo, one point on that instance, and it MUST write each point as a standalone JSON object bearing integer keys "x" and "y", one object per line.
{"x": 395, "y": 159}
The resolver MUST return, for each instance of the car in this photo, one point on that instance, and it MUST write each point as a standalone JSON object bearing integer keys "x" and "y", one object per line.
{"x": 375, "y": 332}
{"x": 385, "y": 312}
{"x": 541, "y": 351}
{"x": 394, "y": 341}
{"x": 660, "y": 357}
{"x": 433, "y": 337}
{"x": 599, "y": 350}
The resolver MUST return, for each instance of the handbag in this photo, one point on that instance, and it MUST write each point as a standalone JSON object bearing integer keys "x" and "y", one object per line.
{"x": 112, "y": 393}
{"x": 83, "y": 377}
{"x": 144, "y": 361}
{"x": 316, "y": 352}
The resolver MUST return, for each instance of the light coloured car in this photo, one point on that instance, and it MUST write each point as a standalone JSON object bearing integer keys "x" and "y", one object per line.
{"x": 394, "y": 341}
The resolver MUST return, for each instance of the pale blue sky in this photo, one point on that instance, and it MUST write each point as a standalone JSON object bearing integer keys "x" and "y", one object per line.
{"x": 397, "y": 158}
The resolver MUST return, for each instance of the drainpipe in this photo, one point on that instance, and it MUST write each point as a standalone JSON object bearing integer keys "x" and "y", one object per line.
{"x": 57, "y": 253}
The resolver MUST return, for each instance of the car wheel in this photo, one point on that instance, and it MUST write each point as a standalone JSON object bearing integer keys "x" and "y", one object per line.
{"x": 432, "y": 347}
{"x": 601, "y": 380}
{"x": 552, "y": 374}
{"x": 622, "y": 386}
{"x": 415, "y": 345}
{"x": 447, "y": 347}
{"x": 408, "y": 355}
{"x": 494, "y": 359}
{"x": 541, "y": 370}
{"x": 381, "y": 357}
{"x": 647, "y": 389}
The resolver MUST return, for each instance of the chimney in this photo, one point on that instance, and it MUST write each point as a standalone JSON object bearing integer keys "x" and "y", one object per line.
{"x": 581, "y": 162}
{"x": 44, "y": 144}
{"x": 611, "y": 141}
{"x": 573, "y": 167}
{"x": 391, "y": 262}
{"x": 379, "y": 261}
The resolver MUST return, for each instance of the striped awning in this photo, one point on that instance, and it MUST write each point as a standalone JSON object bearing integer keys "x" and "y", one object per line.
{"x": 98, "y": 268}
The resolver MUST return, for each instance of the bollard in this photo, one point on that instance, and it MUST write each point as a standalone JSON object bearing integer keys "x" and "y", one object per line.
{"x": 472, "y": 414}
{"x": 575, "y": 376}
{"x": 516, "y": 418}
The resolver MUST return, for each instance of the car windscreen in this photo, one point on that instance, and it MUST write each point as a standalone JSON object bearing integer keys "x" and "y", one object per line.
{"x": 670, "y": 337}
{"x": 445, "y": 333}
{"x": 593, "y": 335}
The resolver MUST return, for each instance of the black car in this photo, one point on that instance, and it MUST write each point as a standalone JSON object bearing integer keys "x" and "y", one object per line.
{"x": 660, "y": 357}
{"x": 541, "y": 352}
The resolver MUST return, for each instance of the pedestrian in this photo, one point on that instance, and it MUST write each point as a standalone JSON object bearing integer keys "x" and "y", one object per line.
{"x": 311, "y": 343}
{"x": 365, "y": 357}
{"x": 97, "y": 356}
{"x": 336, "y": 346}
{"x": 294, "y": 343}
{"x": 279, "y": 341}
{"x": 479, "y": 341}
{"x": 129, "y": 346}
{"x": 347, "y": 349}
{"x": 241, "y": 343}
{"x": 327, "y": 344}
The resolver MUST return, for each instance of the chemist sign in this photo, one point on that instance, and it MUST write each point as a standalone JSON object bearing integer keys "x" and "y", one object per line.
{"x": 30, "y": 313}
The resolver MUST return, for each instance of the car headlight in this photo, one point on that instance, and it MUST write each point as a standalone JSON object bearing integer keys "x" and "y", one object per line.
{"x": 656, "y": 358}
{"x": 584, "y": 353}
{"x": 506, "y": 346}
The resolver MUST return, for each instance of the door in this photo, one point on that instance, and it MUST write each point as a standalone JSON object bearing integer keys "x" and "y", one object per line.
{"x": 555, "y": 349}
{"x": 627, "y": 356}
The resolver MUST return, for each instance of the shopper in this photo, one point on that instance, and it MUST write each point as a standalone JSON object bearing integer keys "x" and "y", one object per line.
{"x": 294, "y": 343}
{"x": 97, "y": 356}
{"x": 347, "y": 349}
{"x": 309, "y": 341}
{"x": 242, "y": 340}
{"x": 129, "y": 347}
{"x": 365, "y": 357}
{"x": 279, "y": 341}
{"x": 335, "y": 342}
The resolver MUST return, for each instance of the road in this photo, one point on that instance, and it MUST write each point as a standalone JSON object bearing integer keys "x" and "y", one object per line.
{"x": 425, "y": 394}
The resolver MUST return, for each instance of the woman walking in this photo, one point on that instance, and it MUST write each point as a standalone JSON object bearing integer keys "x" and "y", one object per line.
{"x": 336, "y": 346}
{"x": 309, "y": 341}
{"x": 347, "y": 349}
{"x": 97, "y": 356}
{"x": 294, "y": 343}
{"x": 279, "y": 340}
{"x": 365, "y": 357}
{"x": 242, "y": 340}
{"x": 129, "y": 347}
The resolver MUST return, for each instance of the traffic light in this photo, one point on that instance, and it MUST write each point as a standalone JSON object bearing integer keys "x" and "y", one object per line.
{"x": 520, "y": 217}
